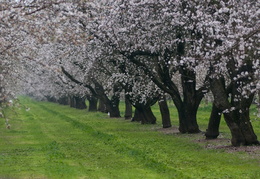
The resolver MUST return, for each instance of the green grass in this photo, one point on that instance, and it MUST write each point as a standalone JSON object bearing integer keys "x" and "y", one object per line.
{"x": 53, "y": 141}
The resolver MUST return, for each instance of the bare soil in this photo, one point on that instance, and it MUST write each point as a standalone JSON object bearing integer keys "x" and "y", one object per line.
{"x": 221, "y": 143}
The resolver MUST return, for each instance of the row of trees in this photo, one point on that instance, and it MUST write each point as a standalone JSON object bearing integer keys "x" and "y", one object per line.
{"x": 142, "y": 51}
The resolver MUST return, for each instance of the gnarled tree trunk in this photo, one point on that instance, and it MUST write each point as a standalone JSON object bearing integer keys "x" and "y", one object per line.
{"x": 236, "y": 113}
{"x": 241, "y": 128}
{"x": 187, "y": 109}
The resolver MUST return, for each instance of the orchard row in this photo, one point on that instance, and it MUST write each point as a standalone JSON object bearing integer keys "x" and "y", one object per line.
{"x": 139, "y": 50}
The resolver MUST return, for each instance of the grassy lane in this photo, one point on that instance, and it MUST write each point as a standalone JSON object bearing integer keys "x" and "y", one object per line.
{"x": 53, "y": 141}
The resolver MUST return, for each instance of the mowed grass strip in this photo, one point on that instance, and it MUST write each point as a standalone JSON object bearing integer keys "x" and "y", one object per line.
{"x": 53, "y": 141}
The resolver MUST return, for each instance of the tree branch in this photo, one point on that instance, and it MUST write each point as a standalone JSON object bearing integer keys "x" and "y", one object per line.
{"x": 78, "y": 82}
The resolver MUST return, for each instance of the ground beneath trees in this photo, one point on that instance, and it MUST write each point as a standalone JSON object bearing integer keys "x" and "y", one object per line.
{"x": 54, "y": 141}
{"x": 221, "y": 143}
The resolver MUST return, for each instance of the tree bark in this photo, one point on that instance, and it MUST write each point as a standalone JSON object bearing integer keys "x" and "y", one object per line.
{"x": 112, "y": 105}
{"x": 78, "y": 102}
{"x": 236, "y": 113}
{"x": 165, "y": 113}
{"x": 187, "y": 119}
{"x": 137, "y": 116}
{"x": 72, "y": 102}
{"x": 102, "y": 106}
{"x": 188, "y": 107}
{"x": 51, "y": 99}
{"x": 258, "y": 104}
{"x": 213, "y": 127}
{"x": 128, "y": 109}
{"x": 92, "y": 103}
{"x": 144, "y": 114}
{"x": 81, "y": 103}
{"x": 63, "y": 100}
{"x": 241, "y": 128}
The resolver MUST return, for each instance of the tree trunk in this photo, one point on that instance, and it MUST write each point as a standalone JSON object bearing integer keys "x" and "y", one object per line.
{"x": 128, "y": 109}
{"x": 72, "y": 102}
{"x": 51, "y": 99}
{"x": 102, "y": 106}
{"x": 213, "y": 127}
{"x": 145, "y": 115}
{"x": 191, "y": 97}
{"x": 187, "y": 109}
{"x": 92, "y": 103}
{"x": 236, "y": 113}
{"x": 187, "y": 119}
{"x": 80, "y": 103}
{"x": 113, "y": 106}
{"x": 258, "y": 104}
{"x": 187, "y": 113}
{"x": 165, "y": 113}
{"x": 137, "y": 116}
{"x": 244, "y": 134}
{"x": 63, "y": 100}
{"x": 241, "y": 128}
{"x": 77, "y": 102}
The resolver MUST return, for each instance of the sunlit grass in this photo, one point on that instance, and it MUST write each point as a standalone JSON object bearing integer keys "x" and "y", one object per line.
{"x": 53, "y": 141}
